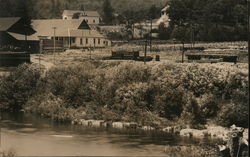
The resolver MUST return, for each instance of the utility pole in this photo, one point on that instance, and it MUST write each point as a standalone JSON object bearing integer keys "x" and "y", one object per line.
{"x": 145, "y": 53}
{"x": 182, "y": 58}
{"x": 54, "y": 43}
{"x": 151, "y": 25}
{"x": 90, "y": 52}
{"x": 40, "y": 50}
{"x": 82, "y": 41}
{"x": 0, "y": 131}
{"x": 248, "y": 23}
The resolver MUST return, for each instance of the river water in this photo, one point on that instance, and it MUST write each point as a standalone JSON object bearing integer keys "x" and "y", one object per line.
{"x": 31, "y": 135}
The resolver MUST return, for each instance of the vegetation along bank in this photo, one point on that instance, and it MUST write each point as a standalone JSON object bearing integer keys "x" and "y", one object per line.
{"x": 155, "y": 95}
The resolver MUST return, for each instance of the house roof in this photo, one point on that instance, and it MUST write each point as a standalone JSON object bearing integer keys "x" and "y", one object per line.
{"x": 7, "y": 22}
{"x": 45, "y": 27}
{"x": 63, "y": 28}
{"x": 22, "y": 37}
{"x": 85, "y": 33}
{"x": 165, "y": 8}
{"x": 83, "y": 13}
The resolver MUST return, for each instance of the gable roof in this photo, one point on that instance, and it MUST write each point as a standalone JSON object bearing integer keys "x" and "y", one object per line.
{"x": 165, "y": 8}
{"x": 64, "y": 28}
{"x": 7, "y": 22}
{"x": 83, "y": 13}
{"x": 45, "y": 27}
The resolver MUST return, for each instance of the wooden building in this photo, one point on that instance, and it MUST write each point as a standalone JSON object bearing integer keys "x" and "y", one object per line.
{"x": 91, "y": 17}
{"x": 16, "y": 25}
{"x": 65, "y": 31}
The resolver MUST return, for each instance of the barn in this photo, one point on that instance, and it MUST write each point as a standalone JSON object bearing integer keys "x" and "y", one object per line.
{"x": 14, "y": 25}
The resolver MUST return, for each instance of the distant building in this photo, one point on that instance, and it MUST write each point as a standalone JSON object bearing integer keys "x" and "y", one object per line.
{"x": 144, "y": 27}
{"x": 164, "y": 17}
{"x": 13, "y": 25}
{"x": 91, "y": 17}
{"x": 65, "y": 31}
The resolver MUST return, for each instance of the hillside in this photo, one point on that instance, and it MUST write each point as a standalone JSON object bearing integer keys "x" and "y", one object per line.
{"x": 54, "y": 8}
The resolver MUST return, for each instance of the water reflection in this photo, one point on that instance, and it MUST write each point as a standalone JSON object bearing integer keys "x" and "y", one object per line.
{"x": 31, "y": 135}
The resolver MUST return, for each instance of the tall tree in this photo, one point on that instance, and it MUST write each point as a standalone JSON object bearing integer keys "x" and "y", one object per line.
{"x": 213, "y": 20}
{"x": 153, "y": 12}
{"x": 107, "y": 12}
{"x": 56, "y": 8}
{"x": 5, "y": 8}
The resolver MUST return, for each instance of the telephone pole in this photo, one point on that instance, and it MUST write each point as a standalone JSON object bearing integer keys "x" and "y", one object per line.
{"x": 248, "y": 26}
{"x": 54, "y": 43}
{"x": 145, "y": 53}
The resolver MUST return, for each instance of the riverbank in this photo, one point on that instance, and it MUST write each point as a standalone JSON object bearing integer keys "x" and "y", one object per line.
{"x": 155, "y": 95}
{"x": 32, "y": 135}
{"x": 213, "y": 132}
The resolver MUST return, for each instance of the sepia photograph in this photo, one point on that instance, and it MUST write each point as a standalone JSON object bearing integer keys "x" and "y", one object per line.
{"x": 124, "y": 78}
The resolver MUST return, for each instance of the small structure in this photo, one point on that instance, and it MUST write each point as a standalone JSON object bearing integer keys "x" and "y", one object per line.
{"x": 125, "y": 55}
{"x": 212, "y": 57}
{"x": 91, "y": 17}
{"x": 13, "y": 59}
{"x": 144, "y": 27}
{"x": 129, "y": 55}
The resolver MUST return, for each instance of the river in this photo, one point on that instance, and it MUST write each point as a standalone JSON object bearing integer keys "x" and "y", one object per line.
{"x": 31, "y": 135}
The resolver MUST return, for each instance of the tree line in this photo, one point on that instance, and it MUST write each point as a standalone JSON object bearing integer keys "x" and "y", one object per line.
{"x": 191, "y": 20}
{"x": 208, "y": 20}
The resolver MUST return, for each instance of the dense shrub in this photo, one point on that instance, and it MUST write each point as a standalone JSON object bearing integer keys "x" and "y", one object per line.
{"x": 191, "y": 151}
{"x": 18, "y": 86}
{"x": 72, "y": 84}
{"x": 233, "y": 114}
{"x": 48, "y": 105}
{"x": 151, "y": 94}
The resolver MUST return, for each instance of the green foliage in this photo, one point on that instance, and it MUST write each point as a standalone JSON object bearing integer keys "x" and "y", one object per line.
{"x": 181, "y": 33}
{"x": 48, "y": 105}
{"x": 107, "y": 12}
{"x": 164, "y": 32}
{"x": 72, "y": 84}
{"x": 212, "y": 20}
{"x": 8, "y": 153}
{"x": 191, "y": 151}
{"x": 233, "y": 114}
{"x": 153, "y": 12}
{"x": 152, "y": 94}
{"x": 16, "y": 88}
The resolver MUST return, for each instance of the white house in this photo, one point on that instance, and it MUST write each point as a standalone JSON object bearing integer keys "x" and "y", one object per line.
{"x": 66, "y": 31}
{"x": 91, "y": 17}
{"x": 155, "y": 22}
{"x": 164, "y": 17}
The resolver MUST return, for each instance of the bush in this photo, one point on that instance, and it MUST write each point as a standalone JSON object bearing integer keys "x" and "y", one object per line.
{"x": 48, "y": 105}
{"x": 8, "y": 153}
{"x": 72, "y": 84}
{"x": 233, "y": 114}
{"x": 191, "y": 151}
{"x": 151, "y": 94}
{"x": 16, "y": 88}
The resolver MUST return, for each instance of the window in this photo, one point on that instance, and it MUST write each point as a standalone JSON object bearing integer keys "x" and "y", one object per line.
{"x": 93, "y": 21}
{"x": 73, "y": 40}
{"x": 81, "y": 41}
{"x": 94, "y": 40}
{"x": 87, "y": 41}
{"x": 99, "y": 40}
